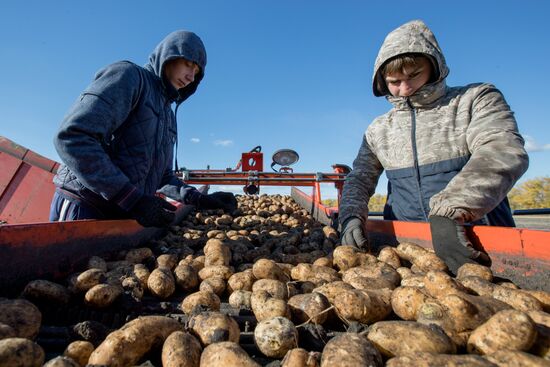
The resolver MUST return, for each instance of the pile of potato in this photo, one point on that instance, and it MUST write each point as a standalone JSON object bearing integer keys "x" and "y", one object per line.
{"x": 315, "y": 303}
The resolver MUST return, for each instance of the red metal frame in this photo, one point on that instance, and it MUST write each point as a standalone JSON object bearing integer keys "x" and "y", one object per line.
{"x": 26, "y": 186}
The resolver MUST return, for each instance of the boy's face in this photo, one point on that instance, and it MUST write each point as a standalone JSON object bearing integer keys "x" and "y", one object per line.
{"x": 180, "y": 72}
{"x": 406, "y": 82}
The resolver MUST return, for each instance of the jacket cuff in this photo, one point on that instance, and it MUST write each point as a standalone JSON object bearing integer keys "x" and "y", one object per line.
{"x": 127, "y": 197}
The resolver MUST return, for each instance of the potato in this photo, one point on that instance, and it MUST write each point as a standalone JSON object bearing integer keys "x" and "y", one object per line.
{"x": 413, "y": 281}
{"x": 276, "y": 336}
{"x": 266, "y": 307}
{"x": 241, "y": 281}
{"x": 518, "y": 299}
{"x": 226, "y": 354}
{"x": 470, "y": 269}
{"x": 268, "y": 269}
{"x": 216, "y": 253}
{"x": 507, "y": 329}
{"x": 88, "y": 279}
{"x": 102, "y": 295}
{"x": 196, "y": 263}
{"x": 374, "y": 271}
{"x": 61, "y": 361}
{"x": 142, "y": 273}
{"x": 241, "y": 299}
{"x": 96, "y": 262}
{"x": 161, "y": 282}
{"x": 132, "y": 286}
{"x": 331, "y": 290}
{"x": 213, "y": 284}
{"x": 126, "y": 346}
{"x": 299, "y": 357}
{"x": 309, "y": 307}
{"x": 439, "y": 284}
{"x": 20, "y": 352}
{"x": 345, "y": 257}
{"x": 214, "y": 327}
{"x": 406, "y": 301}
{"x": 46, "y": 291}
{"x": 315, "y": 273}
{"x": 203, "y": 300}
{"x": 422, "y": 359}
{"x": 423, "y": 259}
{"x": 7, "y": 331}
{"x": 221, "y": 271}
{"x": 138, "y": 255}
{"x": 542, "y": 296}
{"x": 350, "y": 349}
{"x": 323, "y": 261}
{"x": 79, "y": 351}
{"x": 541, "y": 347}
{"x": 404, "y": 272}
{"x": 364, "y": 306}
{"x": 390, "y": 257}
{"x": 181, "y": 349}
{"x": 467, "y": 312}
{"x": 396, "y": 338}
{"x": 22, "y": 316}
{"x": 478, "y": 285}
{"x": 168, "y": 261}
{"x": 514, "y": 358}
{"x": 187, "y": 277}
{"x": 275, "y": 288}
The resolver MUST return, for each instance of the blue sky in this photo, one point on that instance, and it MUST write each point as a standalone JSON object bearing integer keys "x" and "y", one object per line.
{"x": 280, "y": 74}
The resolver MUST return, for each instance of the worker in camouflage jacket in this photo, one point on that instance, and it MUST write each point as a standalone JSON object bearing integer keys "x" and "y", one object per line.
{"x": 117, "y": 141}
{"x": 451, "y": 154}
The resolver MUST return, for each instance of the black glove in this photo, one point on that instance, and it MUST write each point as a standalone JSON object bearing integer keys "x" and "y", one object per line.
{"x": 218, "y": 200}
{"x": 452, "y": 245}
{"x": 352, "y": 234}
{"x": 152, "y": 211}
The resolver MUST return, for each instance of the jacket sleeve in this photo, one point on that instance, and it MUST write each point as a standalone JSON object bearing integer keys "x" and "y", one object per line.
{"x": 360, "y": 184}
{"x": 498, "y": 159}
{"x": 83, "y": 139}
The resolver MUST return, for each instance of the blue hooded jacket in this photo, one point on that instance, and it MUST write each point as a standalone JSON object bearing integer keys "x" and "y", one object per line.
{"x": 117, "y": 140}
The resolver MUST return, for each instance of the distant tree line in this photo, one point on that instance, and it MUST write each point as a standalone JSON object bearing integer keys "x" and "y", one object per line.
{"x": 531, "y": 194}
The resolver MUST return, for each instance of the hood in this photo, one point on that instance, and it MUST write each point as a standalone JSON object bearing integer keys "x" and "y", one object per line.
{"x": 178, "y": 44}
{"x": 411, "y": 37}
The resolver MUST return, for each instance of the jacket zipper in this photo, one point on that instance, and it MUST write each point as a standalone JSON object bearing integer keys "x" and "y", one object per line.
{"x": 415, "y": 158}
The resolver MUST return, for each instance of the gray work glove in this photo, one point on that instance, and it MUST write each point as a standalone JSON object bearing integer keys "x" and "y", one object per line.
{"x": 353, "y": 235}
{"x": 452, "y": 245}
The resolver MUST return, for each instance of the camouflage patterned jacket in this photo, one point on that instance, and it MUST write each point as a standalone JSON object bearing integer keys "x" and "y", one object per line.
{"x": 447, "y": 151}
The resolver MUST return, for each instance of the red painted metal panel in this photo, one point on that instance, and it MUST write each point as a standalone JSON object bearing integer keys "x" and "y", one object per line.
{"x": 8, "y": 168}
{"x": 27, "y": 197}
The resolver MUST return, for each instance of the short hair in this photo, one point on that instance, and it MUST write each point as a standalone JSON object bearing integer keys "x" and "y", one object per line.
{"x": 399, "y": 63}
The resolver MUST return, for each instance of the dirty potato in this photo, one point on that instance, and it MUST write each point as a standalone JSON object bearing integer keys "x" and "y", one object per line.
{"x": 276, "y": 336}
{"x": 226, "y": 354}
{"x": 181, "y": 349}
{"x": 350, "y": 349}
{"x": 20, "y": 352}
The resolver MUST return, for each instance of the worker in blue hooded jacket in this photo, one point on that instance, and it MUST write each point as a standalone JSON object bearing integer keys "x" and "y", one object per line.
{"x": 117, "y": 141}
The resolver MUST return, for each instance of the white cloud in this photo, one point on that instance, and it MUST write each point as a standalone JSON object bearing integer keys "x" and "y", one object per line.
{"x": 195, "y": 140}
{"x": 223, "y": 143}
{"x": 532, "y": 146}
